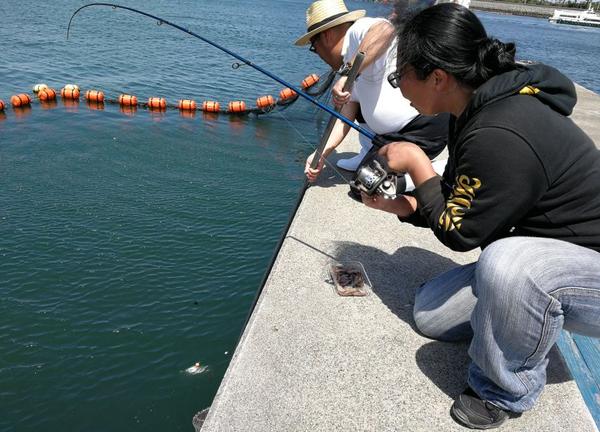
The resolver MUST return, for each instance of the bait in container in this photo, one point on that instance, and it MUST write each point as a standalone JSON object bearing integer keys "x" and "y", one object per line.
{"x": 350, "y": 279}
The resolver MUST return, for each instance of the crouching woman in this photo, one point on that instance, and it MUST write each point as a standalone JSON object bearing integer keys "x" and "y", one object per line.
{"x": 523, "y": 183}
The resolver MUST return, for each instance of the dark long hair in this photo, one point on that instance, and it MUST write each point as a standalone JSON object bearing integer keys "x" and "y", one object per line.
{"x": 450, "y": 37}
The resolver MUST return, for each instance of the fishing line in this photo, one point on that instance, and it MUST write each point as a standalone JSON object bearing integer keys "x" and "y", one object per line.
{"x": 306, "y": 96}
{"x": 161, "y": 21}
{"x": 329, "y": 164}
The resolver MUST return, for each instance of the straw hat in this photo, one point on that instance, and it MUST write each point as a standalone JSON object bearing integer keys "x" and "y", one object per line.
{"x": 325, "y": 14}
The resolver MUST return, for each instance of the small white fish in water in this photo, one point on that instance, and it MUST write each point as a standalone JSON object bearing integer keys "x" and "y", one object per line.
{"x": 196, "y": 369}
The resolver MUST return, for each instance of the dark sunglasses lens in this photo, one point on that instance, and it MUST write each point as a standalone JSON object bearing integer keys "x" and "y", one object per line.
{"x": 394, "y": 79}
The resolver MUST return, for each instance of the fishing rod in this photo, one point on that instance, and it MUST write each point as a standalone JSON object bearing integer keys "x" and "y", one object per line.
{"x": 309, "y": 98}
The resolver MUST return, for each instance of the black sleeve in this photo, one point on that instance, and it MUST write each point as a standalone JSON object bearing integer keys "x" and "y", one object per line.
{"x": 415, "y": 219}
{"x": 498, "y": 180}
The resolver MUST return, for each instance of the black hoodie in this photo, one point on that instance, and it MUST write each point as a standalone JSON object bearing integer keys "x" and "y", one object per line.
{"x": 517, "y": 166}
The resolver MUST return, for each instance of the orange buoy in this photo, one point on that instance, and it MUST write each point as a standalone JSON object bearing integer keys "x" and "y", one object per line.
{"x": 2, "y": 105}
{"x": 265, "y": 101}
{"x": 157, "y": 103}
{"x": 287, "y": 93}
{"x": 69, "y": 93}
{"x": 22, "y": 99}
{"x": 310, "y": 81}
{"x": 72, "y": 87}
{"x": 47, "y": 94}
{"x": 187, "y": 104}
{"x": 38, "y": 87}
{"x": 211, "y": 106}
{"x": 127, "y": 100}
{"x": 237, "y": 106}
{"x": 94, "y": 96}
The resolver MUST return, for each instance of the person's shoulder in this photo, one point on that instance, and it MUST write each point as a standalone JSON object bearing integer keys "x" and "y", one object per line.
{"x": 366, "y": 22}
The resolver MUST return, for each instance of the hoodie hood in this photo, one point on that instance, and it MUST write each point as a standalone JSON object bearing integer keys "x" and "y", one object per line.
{"x": 543, "y": 82}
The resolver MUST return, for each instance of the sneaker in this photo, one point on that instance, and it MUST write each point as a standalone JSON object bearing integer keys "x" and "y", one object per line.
{"x": 351, "y": 164}
{"x": 470, "y": 411}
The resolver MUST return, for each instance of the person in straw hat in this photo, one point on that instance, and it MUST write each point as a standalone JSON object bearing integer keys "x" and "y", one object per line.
{"x": 336, "y": 34}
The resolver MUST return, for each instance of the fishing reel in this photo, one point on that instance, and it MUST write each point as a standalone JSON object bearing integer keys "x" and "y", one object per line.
{"x": 372, "y": 178}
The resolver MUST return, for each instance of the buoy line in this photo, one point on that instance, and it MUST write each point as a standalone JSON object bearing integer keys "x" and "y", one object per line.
{"x": 97, "y": 98}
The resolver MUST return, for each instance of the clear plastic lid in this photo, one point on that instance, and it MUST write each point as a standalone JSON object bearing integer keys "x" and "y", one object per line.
{"x": 350, "y": 279}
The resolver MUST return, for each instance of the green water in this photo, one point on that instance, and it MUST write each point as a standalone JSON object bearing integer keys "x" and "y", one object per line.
{"x": 132, "y": 246}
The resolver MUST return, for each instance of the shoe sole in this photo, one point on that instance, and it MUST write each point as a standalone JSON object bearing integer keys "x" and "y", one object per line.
{"x": 463, "y": 421}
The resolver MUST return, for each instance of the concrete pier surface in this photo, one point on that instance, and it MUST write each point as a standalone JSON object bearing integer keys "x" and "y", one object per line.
{"x": 310, "y": 360}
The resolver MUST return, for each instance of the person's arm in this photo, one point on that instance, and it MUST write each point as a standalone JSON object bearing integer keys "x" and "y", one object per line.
{"x": 338, "y": 133}
{"x": 375, "y": 44}
{"x": 402, "y": 206}
{"x": 403, "y": 158}
{"x": 499, "y": 178}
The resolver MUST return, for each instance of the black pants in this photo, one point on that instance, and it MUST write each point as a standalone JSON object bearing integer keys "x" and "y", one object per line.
{"x": 428, "y": 132}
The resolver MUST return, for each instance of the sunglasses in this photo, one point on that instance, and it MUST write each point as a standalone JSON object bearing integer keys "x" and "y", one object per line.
{"x": 313, "y": 40}
{"x": 394, "y": 79}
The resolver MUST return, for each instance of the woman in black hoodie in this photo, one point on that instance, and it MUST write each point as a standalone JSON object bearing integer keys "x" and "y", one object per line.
{"x": 523, "y": 183}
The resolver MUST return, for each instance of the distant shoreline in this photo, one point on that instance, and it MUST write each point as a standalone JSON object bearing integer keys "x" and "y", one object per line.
{"x": 508, "y": 8}
{"x": 513, "y": 8}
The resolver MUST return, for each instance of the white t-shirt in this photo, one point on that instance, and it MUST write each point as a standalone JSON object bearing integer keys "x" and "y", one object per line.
{"x": 383, "y": 107}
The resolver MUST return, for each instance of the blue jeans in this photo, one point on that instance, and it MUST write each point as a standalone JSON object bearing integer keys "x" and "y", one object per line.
{"x": 513, "y": 303}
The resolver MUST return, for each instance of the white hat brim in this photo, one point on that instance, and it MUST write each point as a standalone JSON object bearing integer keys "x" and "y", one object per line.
{"x": 350, "y": 16}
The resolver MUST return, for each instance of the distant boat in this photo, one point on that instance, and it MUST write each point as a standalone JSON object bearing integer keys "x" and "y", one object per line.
{"x": 587, "y": 18}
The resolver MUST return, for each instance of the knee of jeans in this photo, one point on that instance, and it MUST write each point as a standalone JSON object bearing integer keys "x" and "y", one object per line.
{"x": 424, "y": 324}
{"x": 429, "y": 327}
{"x": 498, "y": 267}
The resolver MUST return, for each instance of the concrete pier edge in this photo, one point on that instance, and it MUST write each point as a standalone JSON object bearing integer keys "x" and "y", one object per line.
{"x": 309, "y": 360}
